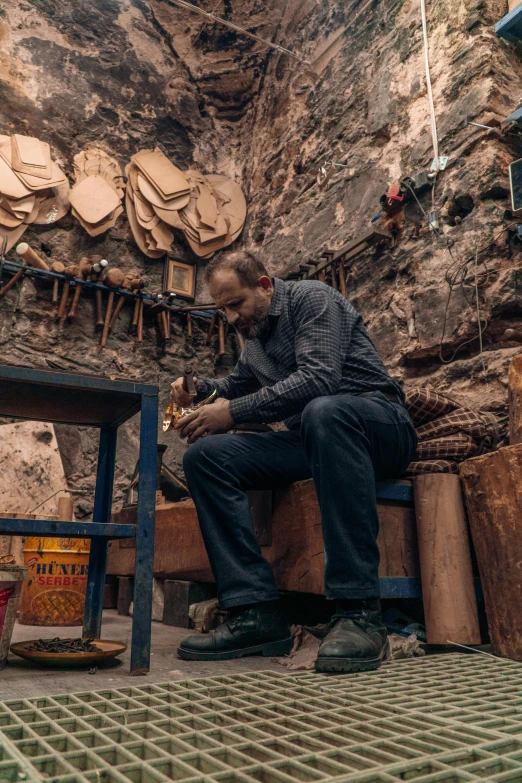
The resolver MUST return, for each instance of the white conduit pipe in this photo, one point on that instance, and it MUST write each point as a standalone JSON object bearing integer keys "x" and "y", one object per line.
{"x": 434, "y": 136}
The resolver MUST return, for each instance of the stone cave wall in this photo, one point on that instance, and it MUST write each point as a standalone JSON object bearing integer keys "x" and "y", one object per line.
{"x": 129, "y": 74}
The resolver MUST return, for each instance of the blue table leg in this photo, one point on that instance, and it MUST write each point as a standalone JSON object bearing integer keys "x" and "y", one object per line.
{"x": 146, "y": 515}
{"x": 92, "y": 619}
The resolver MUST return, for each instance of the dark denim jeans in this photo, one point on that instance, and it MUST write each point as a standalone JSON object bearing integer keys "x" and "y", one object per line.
{"x": 345, "y": 443}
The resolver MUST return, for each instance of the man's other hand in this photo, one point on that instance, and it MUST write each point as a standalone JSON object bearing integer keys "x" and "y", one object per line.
{"x": 208, "y": 420}
{"x": 179, "y": 395}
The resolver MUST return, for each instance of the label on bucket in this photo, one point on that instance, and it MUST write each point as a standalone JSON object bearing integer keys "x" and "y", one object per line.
{"x": 5, "y": 595}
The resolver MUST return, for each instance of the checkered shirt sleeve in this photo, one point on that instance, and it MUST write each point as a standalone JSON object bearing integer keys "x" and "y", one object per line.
{"x": 317, "y": 324}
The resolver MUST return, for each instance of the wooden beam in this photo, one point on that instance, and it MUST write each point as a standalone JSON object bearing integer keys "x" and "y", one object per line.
{"x": 353, "y": 248}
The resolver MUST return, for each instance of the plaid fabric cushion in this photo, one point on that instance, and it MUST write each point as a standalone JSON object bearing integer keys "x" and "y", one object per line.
{"x": 431, "y": 466}
{"x": 425, "y": 405}
{"x": 462, "y": 420}
{"x": 459, "y": 446}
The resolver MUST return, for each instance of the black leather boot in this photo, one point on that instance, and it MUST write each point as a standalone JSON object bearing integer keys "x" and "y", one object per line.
{"x": 357, "y": 640}
{"x": 259, "y": 629}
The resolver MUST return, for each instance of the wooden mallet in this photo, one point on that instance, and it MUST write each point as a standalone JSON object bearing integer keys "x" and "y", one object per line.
{"x": 96, "y": 270}
{"x": 30, "y": 257}
{"x": 83, "y": 274}
{"x": 59, "y": 268}
{"x": 113, "y": 278}
{"x": 71, "y": 271}
{"x": 136, "y": 285}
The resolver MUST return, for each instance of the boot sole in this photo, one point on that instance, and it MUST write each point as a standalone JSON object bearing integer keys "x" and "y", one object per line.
{"x": 270, "y": 649}
{"x": 349, "y": 665}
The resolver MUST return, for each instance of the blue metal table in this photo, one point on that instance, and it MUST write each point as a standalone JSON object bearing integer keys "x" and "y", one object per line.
{"x": 87, "y": 400}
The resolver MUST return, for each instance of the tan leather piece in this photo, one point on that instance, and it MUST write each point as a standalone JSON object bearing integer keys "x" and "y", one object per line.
{"x": 53, "y": 206}
{"x": 36, "y": 192}
{"x": 140, "y": 235}
{"x": 163, "y": 174}
{"x": 97, "y": 196}
{"x": 210, "y": 210}
{"x": 31, "y": 156}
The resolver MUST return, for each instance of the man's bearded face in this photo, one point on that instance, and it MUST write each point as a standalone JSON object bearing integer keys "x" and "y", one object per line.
{"x": 258, "y": 323}
{"x": 245, "y": 307}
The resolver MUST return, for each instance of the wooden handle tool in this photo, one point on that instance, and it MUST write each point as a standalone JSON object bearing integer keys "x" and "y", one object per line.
{"x": 139, "y": 332}
{"x": 221, "y": 331}
{"x": 84, "y": 273}
{"x": 113, "y": 278}
{"x": 95, "y": 271}
{"x": 211, "y": 328}
{"x": 15, "y": 278}
{"x": 128, "y": 281}
{"x": 59, "y": 268}
{"x": 188, "y": 381}
{"x": 189, "y": 325}
{"x": 71, "y": 271}
{"x": 30, "y": 257}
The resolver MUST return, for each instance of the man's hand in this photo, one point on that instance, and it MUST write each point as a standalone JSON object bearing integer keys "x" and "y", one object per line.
{"x": 179, "y": 395}
{"x": 208, "y": 420}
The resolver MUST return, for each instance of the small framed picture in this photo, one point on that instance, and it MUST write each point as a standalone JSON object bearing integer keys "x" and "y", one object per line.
{"x": 179, "y": 278}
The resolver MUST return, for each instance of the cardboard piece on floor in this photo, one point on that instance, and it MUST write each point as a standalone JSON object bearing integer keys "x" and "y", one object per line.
{"x": 163, "y": 174}
{"x": 54, "y": 206}
{"x": 31, "y": 156}
{"x": 94, "y": 199}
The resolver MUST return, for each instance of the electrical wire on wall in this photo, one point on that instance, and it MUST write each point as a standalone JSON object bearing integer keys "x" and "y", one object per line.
{"x": 457, "y": 277}
{"x": 433, "y": 119}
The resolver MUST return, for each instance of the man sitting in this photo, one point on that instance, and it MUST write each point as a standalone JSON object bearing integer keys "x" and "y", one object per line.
{"x": 309, "y": 361}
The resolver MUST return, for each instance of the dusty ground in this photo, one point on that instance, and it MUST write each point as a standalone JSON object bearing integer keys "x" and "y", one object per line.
{"x": 20, "y": 679}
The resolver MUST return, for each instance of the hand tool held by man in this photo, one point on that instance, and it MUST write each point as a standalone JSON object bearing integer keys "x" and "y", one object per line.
{"x": 307, "y": 361}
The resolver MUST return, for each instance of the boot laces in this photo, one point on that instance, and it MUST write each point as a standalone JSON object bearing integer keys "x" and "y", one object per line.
{"x": 357, "y": 617}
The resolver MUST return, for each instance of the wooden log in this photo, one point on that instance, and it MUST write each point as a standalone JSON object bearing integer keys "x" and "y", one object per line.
{"x": 515, "y": 401}
{"x": 493, "y": 488}
{"x": 296, "y": 551}
{"x": 450, "y": 606}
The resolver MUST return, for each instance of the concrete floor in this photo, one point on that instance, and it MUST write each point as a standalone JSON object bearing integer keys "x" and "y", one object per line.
{"x": 21, "y": 679}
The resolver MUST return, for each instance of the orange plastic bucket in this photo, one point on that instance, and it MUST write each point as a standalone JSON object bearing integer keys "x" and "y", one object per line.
{"x": 54, "y": 593}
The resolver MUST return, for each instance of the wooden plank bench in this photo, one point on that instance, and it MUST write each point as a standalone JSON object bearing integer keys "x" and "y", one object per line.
{"x": 294, "y": 548}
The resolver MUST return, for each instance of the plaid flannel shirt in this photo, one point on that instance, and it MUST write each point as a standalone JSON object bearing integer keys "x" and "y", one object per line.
{"x": 317, "y": 346}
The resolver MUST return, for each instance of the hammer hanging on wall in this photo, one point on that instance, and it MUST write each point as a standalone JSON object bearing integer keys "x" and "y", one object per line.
{"x": 83, "y": 274}
{"x": 71, "y": 271}
{"x": 59, "y": 268}
{"x": 15, "y": 278}
{"x": 30, "y": 257}
{"x": 221, "y": 331}
{"x": 97, "y": 269}
{"x": 113, "y": 278}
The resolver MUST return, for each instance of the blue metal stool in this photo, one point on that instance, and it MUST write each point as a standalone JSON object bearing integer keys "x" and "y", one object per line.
{"x": 86, "y": 400}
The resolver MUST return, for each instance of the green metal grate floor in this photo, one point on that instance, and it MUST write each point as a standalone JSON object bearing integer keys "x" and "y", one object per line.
{"x": 440, "y": 719}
